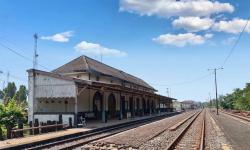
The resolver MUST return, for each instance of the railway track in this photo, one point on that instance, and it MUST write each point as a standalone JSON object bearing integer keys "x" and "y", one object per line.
{"x": 177, "y": 125}
{"x": 137, "y": 140}
{"x": 73, "y": 142}
{"x": 83, "y": 141}
{"x": 77, "y": 143}
{"x": 192, "y": 136}
{"x": 237, "y": 116}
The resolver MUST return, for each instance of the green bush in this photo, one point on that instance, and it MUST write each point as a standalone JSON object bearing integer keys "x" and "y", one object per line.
{"x": 239, "y": 99}
{"x": 11, "y": 115}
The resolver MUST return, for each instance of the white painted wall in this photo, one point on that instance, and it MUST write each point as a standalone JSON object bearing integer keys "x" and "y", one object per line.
{"x": 46, "y": 117}
{"x": 65, "y": 118}
{"x": 58, "y": 105}
{"x": 47, "y": 86}
{"x": 43, "y": 87}
{"x": 54, "y": 117}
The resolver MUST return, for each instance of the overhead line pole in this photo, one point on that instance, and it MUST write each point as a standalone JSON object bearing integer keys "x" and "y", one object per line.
{"x": 210, "y": 102}
{"x": 216, "y": 88}
{"x": 1, "y": 72}
{"x": 168, "y": 91}
{"x": 35, "y": 52}
{"x": 8, "y": 77}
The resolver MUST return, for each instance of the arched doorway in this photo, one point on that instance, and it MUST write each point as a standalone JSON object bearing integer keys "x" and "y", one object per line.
{"x": 137, "y": 107}
{"x": 148, "y": 106}
{"x": 123, "y": 106}
{"x": 97, "y": 105}
{"x": 131, "y": 106}
{"x": 144, "y": 106}
{"x": 112, "y": 106}
{"x": 152, "y": 106}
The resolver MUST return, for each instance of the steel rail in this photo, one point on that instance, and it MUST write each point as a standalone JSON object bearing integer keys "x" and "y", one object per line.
{"x": 173, "y": 144}
{"x": 202, "y": 141}
{"x": 177, "y": 125}
{"x": 98, "y": 138}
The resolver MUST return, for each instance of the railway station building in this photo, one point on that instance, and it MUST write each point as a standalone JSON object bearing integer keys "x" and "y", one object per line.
{"x": 87, "y": 88}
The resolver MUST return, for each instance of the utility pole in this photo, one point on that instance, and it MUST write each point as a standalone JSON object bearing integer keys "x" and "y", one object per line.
{"x": 210, "y": 102}
{"x": 168, "y": 91}
{"x": 1, "y": 72}
{"x": 8, "y": 76}
{"x": 35, "y": 52}
{"x": 101, "y": 54}
{"x": 216, "y": 92}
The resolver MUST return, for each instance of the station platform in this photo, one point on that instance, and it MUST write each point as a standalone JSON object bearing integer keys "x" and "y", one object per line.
{"x": 90, "y": 125}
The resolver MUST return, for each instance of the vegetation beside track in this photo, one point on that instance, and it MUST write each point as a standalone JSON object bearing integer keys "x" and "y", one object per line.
{"x": 239, "y": 99}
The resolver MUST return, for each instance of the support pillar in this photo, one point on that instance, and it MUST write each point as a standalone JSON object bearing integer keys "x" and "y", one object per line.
{"x": 75, "y": 107}
{"x": 75, "y": 113}
{"x": 104, "y": 119}
{"x": 31, "y": 95}
{"x": 120, "y": 118}
{"x": 150, "y": 107}
{"x": 159, "y": 106}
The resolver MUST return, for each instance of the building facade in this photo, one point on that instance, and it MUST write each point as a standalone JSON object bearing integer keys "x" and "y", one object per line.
{"x": 177, "y": 106}
{"x": 189, "y": 104}
{"x": 88, "y": 88}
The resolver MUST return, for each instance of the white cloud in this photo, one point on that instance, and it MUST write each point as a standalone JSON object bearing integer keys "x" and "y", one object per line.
{"x": 59, "y": 37}
{"x": 193, "y": 24}
{"x": 169, "y": 8}
{"x": 181, "y": 40}
{"x": 229, "y": 41}
{"x": 232, "y": 26}
{"x": 208, "y": 35}
{"x": 97, "y": 49}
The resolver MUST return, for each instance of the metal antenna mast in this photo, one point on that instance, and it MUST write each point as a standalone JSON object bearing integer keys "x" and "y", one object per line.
{"x": 35, "y": 52}
{"x": 168, "y": 91}
{"x": 101, "y": 54}
{"x": 8, "y": 76}
{"x": 2, "y": 80}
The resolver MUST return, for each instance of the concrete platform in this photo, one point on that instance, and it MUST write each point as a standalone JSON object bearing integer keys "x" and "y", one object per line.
{"x": 237, "y": 131}
{"x": 35, "y": 138}
{"x": 47, "y": 136}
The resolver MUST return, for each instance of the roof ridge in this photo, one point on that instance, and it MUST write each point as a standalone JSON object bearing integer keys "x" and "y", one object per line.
{"x": 65, "y": 64}
{"x": 122, "y": 73}
{"x": 86, "y": 62}
{"x": 102, "y": 63}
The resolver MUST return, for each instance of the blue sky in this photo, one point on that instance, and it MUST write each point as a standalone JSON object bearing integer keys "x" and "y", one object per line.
{"x": 149, "y": 39}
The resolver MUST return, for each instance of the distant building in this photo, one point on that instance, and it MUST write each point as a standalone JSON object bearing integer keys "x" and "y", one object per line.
{"x": 189, "y": 104}
{"x": 177, "y": 106}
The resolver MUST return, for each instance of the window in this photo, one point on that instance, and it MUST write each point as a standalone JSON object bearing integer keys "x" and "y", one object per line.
{"x": 97, "y": 78}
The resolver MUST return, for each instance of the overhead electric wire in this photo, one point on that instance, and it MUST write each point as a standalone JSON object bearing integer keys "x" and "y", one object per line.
{"x": 19, "y": 54}
{"x": 15, "y": 52}
{"x": 16, "y": 77}
{"x": 184, "y": 82}
{"x": 235, "y": 44}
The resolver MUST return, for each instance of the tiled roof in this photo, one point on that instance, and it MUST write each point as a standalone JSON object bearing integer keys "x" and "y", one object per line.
{"x": 86, "y": 64}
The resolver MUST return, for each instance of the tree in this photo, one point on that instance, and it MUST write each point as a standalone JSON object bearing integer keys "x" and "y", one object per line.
{"x": 21, "y": 94}
{"x": 11, "y": 115}
{"x": 9, "y": 91}
{"x": 1, "y": 94}
{"x": 239, "y": 99}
